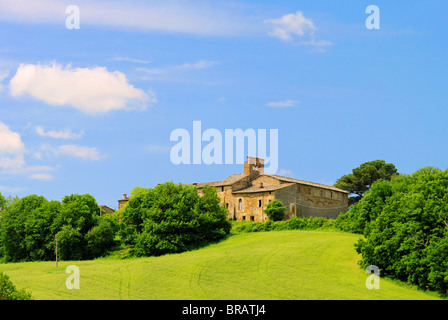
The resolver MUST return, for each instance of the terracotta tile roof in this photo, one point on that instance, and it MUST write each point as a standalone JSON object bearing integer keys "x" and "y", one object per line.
{"x": 234, "y": 178}
{"x": 265, "y": 188}
{"x": 226, "y": 182}
{"x": 107, "y": 209}
{"x": 312, "y": 184}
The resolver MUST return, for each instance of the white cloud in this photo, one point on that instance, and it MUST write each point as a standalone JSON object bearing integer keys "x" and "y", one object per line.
{"x": 91, "y": 90}
{"x": 61, "y": 134}
{"x": 86, "y": 153}
{"x": 289, "y": 25}
{"x": 295, "y": 25}
{"x": 12, "y": 148}
{"x": 283, "y": 104}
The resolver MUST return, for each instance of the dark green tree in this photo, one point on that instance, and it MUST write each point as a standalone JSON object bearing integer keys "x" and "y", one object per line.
{"x": 275, "y": 210}
{"x": 172, "y": 218}
{"x": 406, "y": 228}
{"x": 28, "y": 229}
{"x": 362, "y": 178}
{"x": 100, "y": 239}
{"x": 8, "y": 290}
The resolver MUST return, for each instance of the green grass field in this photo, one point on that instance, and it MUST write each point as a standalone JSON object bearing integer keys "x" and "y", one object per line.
{"x": 253, "y": 266}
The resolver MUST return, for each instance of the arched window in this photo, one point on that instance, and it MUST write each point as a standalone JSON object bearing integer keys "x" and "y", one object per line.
{"x": 240, "y": 204}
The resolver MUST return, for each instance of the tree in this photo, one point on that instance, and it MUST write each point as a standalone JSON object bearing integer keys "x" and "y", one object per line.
{"x": 172, "y": 218}
{"x": 8, "y": 290}
{"x": 28, "y": 228}
{"x": 275, "y": 210}
{"x": 362, "y": 178}
{"x": 100, "y": 239}
{"x": 406, "y": 228}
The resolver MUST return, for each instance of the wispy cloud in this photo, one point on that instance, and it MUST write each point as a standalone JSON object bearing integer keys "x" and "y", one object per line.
{"x": 157, "y": 149}
{"x": 83, "y": 152}
{"x": 32, "y": 172}
{"x": 61, "y": 134}
{"x": 284, "y": 172}
{"x": 203, "y": 18}
{"x": 41, "y": 176}
{"x": 283, "y": 104}
{"x": 186, "y": 72}
{"x": 131, "y": 60}
{"x": 6, "y": 189}
{"x": 202, "y": 64}
{"x": 3, "y": 75}
{"x": 90, "y": 90}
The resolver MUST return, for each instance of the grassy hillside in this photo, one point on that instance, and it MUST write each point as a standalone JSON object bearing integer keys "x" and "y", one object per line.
{"x": 267, "y": 265}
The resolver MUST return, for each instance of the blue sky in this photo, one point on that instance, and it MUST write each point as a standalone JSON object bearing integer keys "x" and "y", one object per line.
{"x": 91, "y": 110}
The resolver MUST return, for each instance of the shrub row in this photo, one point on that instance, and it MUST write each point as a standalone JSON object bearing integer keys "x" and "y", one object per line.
{"x": 312, "y": 223}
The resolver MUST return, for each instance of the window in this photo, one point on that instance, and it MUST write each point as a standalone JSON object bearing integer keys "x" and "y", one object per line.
{"x": 222, "y": 188}
{"x": 270, "y": 200}
{"x": 252, "y": 218}
{"x": 240, "y": 204}
{"x": 227, "y": 205}
{"x": 259, "y": 203}
{"x": 244, "y": 217}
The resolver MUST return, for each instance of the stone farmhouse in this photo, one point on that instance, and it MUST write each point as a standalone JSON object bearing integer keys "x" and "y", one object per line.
{"x": 246, "y": 194}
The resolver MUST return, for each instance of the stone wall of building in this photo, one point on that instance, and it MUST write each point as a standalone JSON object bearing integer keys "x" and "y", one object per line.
{"x": 319, "y": 202}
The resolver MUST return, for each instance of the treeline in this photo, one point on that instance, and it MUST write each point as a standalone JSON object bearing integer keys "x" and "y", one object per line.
{"x": 29, "y": 227}
{"x": 169, "y": 218}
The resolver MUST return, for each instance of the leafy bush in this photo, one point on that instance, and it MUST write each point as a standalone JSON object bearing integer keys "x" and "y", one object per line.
{"x": 172, "y": 218}
{"x": 275, "y": 210}
{"x": 8, "y": 290}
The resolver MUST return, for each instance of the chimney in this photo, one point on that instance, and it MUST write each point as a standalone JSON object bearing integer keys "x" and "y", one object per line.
{"x": 125, "y": 196}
